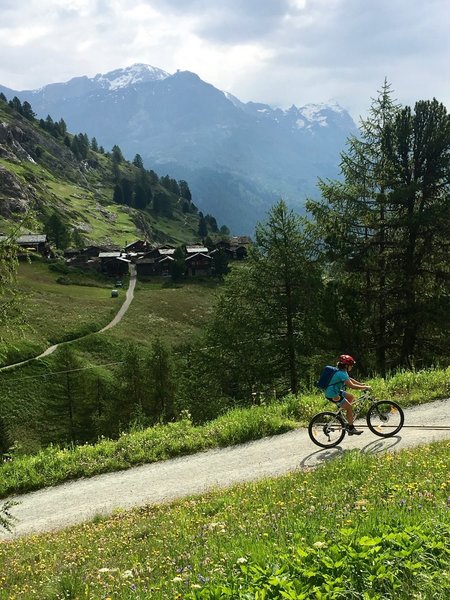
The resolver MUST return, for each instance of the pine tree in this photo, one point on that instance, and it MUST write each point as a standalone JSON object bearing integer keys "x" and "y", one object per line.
{"x": 117, "y": 156}
{"x": 202, "y": 226}
{"x": 137, "y": 161}
{"x": 27, "y": 111}
{"x": 16, "y": 104}
{"x": 185, "y": 192}
{"x": 178, "y": 266}
{"x": 352, "y": 221}
{"x": 161, "y": 382}
{"x": 67, "y": 413}
{"x": 57, "y": 231}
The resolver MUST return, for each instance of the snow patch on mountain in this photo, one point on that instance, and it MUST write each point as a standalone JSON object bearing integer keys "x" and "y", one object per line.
{"x": 137, "y": 73}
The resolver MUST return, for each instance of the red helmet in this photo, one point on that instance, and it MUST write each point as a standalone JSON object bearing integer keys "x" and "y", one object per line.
{"x": 346, "y": 359}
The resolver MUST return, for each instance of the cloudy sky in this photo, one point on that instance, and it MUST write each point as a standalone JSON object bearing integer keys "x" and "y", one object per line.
{"x": 280, "y": 52}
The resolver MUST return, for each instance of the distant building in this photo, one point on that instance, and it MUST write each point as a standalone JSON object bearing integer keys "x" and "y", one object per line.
{"x": 113, "y": 263}
{"x": 198, "y": 264}
{"x": 32, "y": 242}
{"x": 138, "y": 247}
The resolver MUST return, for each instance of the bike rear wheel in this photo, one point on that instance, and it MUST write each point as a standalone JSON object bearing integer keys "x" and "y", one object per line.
{"x": 385, "y": 418}
{"x": 326, "y": 429}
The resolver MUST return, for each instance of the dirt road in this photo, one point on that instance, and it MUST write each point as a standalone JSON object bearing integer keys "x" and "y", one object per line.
{"x": 78, "y": 501}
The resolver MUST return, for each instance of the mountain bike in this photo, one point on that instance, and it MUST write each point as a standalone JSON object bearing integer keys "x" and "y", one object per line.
{"x": 384, "y": 418}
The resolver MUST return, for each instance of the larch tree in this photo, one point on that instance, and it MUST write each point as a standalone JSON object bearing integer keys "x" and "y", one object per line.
{"x": 265, "y": 321}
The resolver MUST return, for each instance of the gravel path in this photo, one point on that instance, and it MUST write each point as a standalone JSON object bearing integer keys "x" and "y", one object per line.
{"x": 78, "y": 501}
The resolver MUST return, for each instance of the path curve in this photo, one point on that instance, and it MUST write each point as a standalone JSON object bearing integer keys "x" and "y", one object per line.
{"x": 77, "y": 501}
{"x": 122, "y": 310}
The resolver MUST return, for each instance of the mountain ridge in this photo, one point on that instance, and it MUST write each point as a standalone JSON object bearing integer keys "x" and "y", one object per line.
{"x": 202, "y": 134}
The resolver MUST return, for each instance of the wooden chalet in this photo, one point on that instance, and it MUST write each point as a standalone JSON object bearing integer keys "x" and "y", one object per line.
{"x": 155, "y": 262}
{"x": 92, "y": 251}
{"x": 239, "y": 245}
{"x": 113, "y": 263}
{"x": 198, "y": 264}
{"x": 138, "y": 247}
{"x": 164, "y": 265}
{"x": 32, "y": 242}
{"x": 196, "y": 249}
{"x": 146, "y": 265}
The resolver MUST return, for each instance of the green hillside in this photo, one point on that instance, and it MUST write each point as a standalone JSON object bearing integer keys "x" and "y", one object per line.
{"x": 46, "y": 170}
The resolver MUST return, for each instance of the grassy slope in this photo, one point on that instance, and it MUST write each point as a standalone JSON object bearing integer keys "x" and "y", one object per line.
{"x": 84, "y": 196}
{"x": 55, "y": 312}
{"x": 377, "y": 525}
{"x": 172, "y": 312}
{"x": 58, "y": 312}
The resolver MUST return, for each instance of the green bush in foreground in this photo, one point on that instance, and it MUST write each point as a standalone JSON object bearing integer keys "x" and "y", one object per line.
{"x": 407, "y": 564}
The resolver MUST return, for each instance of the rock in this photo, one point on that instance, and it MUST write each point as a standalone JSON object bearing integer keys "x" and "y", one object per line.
{"x": 14, "y": 196}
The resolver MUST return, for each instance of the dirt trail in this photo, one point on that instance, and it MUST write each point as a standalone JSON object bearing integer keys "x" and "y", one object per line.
{"x": 78, "y": 501}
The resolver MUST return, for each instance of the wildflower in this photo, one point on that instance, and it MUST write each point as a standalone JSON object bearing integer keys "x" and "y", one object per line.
{"x": 319, "y": 545}
{"x": 127, "y": 574}
{"x": 361, "y": 502}
{"x": 241, "y": 560}
{"x": 177, "y": 579}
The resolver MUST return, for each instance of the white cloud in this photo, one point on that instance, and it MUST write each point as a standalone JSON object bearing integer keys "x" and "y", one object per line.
{"x": 275, "y": 51}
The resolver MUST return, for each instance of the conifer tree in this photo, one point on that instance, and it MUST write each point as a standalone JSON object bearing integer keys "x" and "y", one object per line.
{"x": 383, "y": 232}
{"x": 161, "y": 384}
{"x": 27, "y": 111}
{"x": 267, "y": 316}
{"x": 202, "y": 226}
{"x": 57, "y": 231}
{"x": 185, "y": 192}
{"x": 137, "y": 161}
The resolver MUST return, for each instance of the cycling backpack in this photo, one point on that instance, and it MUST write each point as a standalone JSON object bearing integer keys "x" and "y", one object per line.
{"x": 325, "y": 377}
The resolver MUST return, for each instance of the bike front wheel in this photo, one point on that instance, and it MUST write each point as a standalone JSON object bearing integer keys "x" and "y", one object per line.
{"x": 326, "y": 429}
{"x": 385, "y": 418}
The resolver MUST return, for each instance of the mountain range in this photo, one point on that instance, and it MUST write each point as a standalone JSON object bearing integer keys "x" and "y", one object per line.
{"x": 238, "y": 158}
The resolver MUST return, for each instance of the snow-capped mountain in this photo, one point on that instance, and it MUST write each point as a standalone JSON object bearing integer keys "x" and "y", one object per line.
{"x": 137, "y": 73}
{"x": 239, "y": 158}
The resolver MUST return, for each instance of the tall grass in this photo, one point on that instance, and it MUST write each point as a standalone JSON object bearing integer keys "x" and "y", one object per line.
{"x": 362, "y": 526}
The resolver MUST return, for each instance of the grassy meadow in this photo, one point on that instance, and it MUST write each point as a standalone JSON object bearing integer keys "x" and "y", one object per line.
{"x": 57, "y": 313}
{"x": 172, "y": 312}
{"x": 363, "y": 526}
{"x": 53, "y": 312}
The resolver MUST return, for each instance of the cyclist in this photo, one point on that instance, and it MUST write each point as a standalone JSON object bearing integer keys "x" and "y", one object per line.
{"x": 335, "y": 391}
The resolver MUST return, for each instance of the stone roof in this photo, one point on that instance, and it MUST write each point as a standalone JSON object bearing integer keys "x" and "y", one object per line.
{"x": 196, "y": 249}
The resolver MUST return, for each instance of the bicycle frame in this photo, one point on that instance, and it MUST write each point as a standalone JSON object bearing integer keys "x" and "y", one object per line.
{"x": 358, "y": 405}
